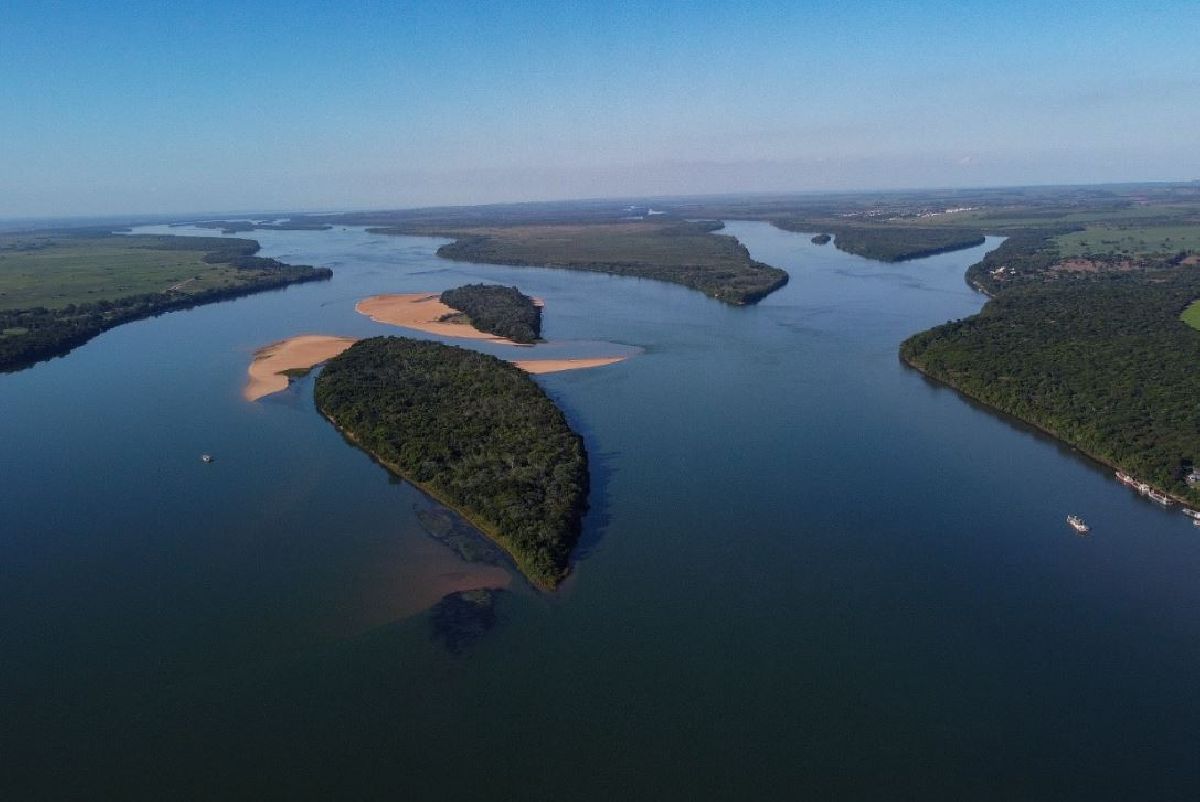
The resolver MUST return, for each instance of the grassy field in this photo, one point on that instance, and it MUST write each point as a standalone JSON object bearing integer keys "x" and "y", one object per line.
{"x": 55, "y": 272}
{"x": 58, "y": 290}
{"x": 1191, "y": 315}
{"x": 1129, "y": 240}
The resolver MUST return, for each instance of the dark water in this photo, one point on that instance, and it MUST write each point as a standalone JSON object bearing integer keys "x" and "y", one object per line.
{"x": 807, "y": 571}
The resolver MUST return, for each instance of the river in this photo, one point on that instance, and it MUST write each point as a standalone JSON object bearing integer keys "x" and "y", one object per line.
{"x": 807, "y": 571}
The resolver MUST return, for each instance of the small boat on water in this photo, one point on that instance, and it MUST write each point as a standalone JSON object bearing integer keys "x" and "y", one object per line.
{"x": 206, "y": 458}
{"x": 1076, "y": 523}
{"x": 1192, "y": 514}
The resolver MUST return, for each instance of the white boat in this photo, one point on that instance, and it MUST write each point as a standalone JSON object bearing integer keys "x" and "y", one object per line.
{"x": 1077, "y": 524}
{"x": 1191, "y": 514}
{"x": 206, "y": 458}
{"x": 1126, "y": 479}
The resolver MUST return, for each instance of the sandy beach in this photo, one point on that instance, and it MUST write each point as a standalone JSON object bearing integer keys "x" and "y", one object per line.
{"x": 421, "y": 311}
{"x": 555, "y": 365}
{"x": 308, "y": 350}
{"x": 294, "y": 353}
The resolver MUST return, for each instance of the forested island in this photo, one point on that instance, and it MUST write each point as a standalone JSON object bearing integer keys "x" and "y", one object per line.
{"x": 677, "y": 251}
{"x": 898, "y": 243}
{"x": 503, "y": 311}
{"x": 242, "y": 226}
{"x": 473, "y": 431}
{"x": 60, "y": 289}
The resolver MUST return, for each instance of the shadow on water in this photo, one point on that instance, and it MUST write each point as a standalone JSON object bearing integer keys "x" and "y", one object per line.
{"x": 1013, "y": 423}
{"x": 460, "y": 620}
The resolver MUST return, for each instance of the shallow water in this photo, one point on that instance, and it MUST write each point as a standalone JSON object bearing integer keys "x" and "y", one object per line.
{"x": 806, "y": 571}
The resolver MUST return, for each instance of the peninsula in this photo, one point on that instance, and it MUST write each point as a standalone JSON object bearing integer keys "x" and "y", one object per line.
{"x": 474, "y": 432}
{"x": 60, "y": 289}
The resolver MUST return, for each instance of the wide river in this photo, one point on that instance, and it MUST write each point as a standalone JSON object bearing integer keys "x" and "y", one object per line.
{"x": 807, "y": 572}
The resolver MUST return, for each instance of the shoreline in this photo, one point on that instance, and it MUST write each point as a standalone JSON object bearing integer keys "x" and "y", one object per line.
{"x": 270, "y": 367}
{"x": 424, "y": 312}
{"x": 1182, "y": 502}
{"x": 271, "y": 364}
{"x": 467, "y": 515}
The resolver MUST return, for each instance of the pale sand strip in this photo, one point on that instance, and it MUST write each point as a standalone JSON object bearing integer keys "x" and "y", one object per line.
{"x": 293, "y": 353}
{"x": 307, "y": 350}
{"x": 555, "y": 365}
{"x": 421, "y": 311}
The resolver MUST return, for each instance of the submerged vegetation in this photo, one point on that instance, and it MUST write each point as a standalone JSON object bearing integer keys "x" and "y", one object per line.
{"x": 59, "y": 290}
{"x": 503, "y": 311}
{"x": 472, "y": 430}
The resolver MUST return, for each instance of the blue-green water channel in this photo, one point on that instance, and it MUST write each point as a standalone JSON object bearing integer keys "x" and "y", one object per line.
{"x": 807, "y": 572}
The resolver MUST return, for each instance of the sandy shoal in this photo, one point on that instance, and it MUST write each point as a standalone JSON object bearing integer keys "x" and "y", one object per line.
{"x": 555, "y": 365}
{"x": 421, "y": 311}
{"x": 293, "y": 353}
{"x": 308, "y": 350}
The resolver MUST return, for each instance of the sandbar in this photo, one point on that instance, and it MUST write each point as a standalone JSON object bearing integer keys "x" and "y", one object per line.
{"x": 424, "y": 312}
{"x": 294, "y": 353}
{"x": 555, "y": 365}
{"x": 309, "y": 350}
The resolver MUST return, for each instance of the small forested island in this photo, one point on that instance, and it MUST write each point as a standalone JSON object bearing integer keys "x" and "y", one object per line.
{"x": 473, "y": 431}
{"x": 242, "y": 226}
{"x": 59, "y": 289}
{"x": 677, "y": 251}
{"x": 895, "y": 243}
{"x": 503, "y": 311}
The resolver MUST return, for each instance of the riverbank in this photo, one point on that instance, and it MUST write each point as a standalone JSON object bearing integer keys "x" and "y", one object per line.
{"x": 271, "y": 364}
{"x": 423, "y": 312}
{"x": 1180, "y": 500}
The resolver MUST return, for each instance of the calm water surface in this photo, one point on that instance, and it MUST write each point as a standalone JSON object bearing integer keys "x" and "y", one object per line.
{"x": 807, "y": 571}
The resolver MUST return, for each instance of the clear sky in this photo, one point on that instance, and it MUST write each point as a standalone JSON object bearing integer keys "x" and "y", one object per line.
{"x": 130, "y": 107}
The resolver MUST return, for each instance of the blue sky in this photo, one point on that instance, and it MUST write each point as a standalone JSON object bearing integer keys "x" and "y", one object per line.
{"x": 126, "y": 107}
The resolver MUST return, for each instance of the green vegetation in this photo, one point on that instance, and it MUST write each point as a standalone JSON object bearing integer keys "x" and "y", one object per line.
{"x": 821, "y": 239}
{"x": 502, "y": 311}
{"x": 60, "y": 289}
{"x": 475, "y": 432}
{"x": 902, "y": 242}
{"x": 1191, "y": 315}
{"x": 1129, "y": 240}
{"x": 676, "y": 251}
{"x": 241, "y": 226}
{"x": 1101, "y": 362}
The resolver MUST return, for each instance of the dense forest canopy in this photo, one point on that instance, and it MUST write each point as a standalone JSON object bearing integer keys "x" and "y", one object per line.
{"x": 677, "y": 251}
{"x": 1089, "y": 347}
{"x": 503, "y": 311}
{"x": 474, "y": 431}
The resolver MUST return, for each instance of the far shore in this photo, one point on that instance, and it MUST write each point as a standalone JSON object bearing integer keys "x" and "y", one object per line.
{"x": 271, "y": 363}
